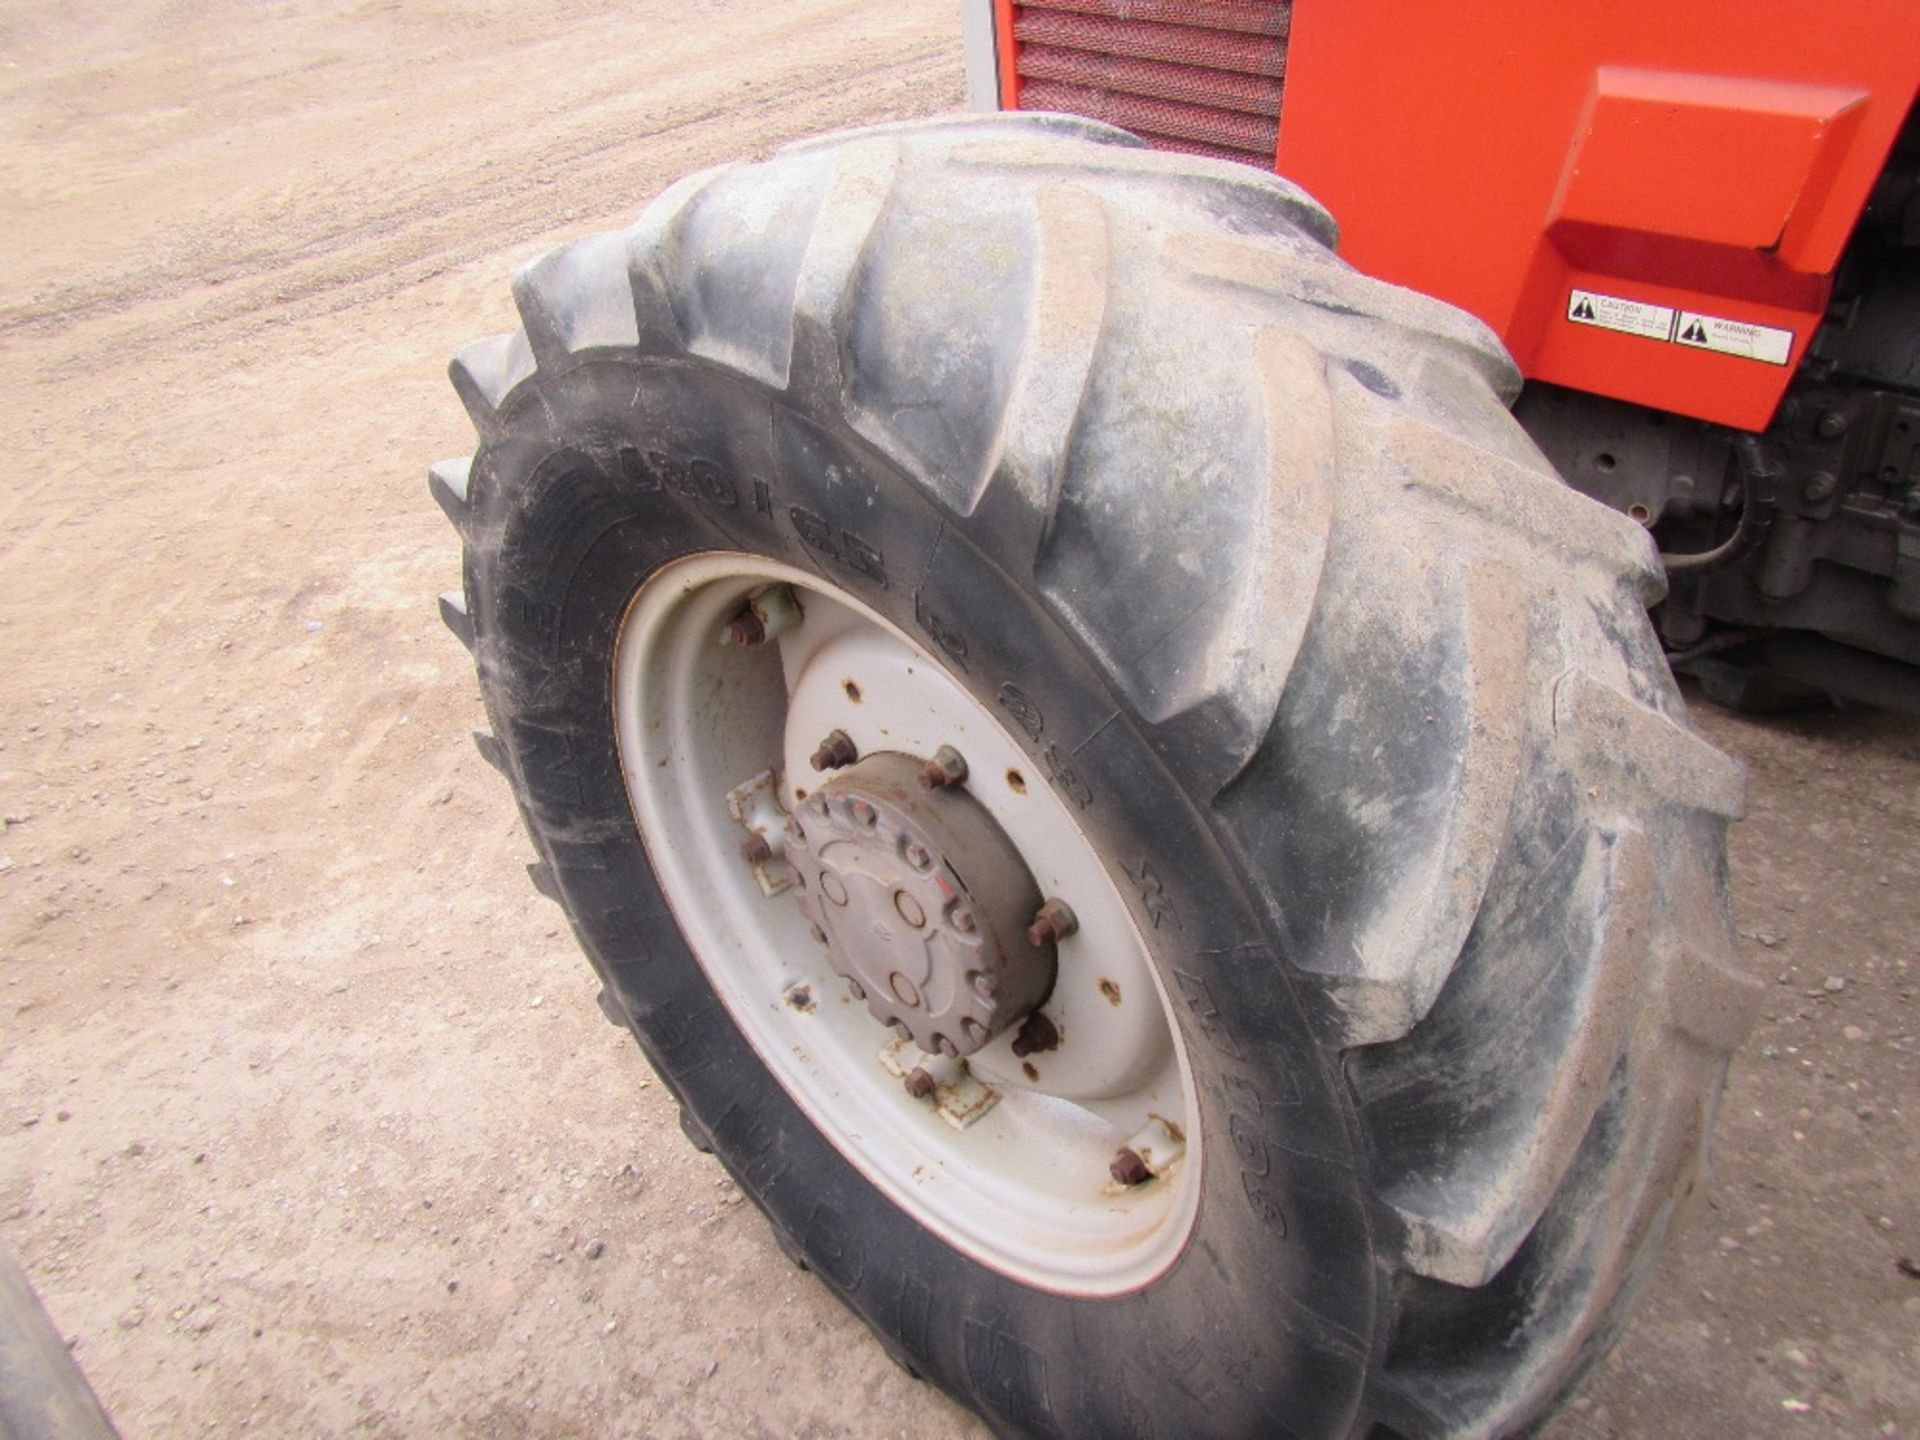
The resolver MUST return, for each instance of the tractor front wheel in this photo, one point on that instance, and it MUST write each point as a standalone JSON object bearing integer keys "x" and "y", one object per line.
{"x": 1135, "y": 814}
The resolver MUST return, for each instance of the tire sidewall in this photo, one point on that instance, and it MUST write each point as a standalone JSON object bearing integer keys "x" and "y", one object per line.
{"x": 606, "y": 473}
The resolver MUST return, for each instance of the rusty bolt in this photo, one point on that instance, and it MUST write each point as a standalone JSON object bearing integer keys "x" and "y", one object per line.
{"x": 919, "y": 1083}
{"x": 746, "y": 628}
{"x": 1037, "y": 1034}
{"x": 756, "y": 850}
{"x": 947, "y": 767}
{"x": 836, "y": 751}
{"x": 1052, "y": 923}
{"x": 1129, "y": 1169}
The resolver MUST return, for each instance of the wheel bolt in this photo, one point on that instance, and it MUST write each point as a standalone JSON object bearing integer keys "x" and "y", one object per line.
{"x": 771, "y": 611}
{"x": 963, "y": 921}
{"x": 1129, "y": 1169}
{"x": 1036, "y": 1035}
{"x": 944, "y": 769}
{"x": 835, "y": 752}
{"x": 746, "y": 628}
{"x": 919, "y": 1083}
{"x": 1052, "y": 923}
{"x": 756, "y": 850}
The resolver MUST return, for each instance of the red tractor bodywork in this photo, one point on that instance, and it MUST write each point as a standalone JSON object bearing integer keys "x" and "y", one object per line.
{"x": 1646, "y": 200}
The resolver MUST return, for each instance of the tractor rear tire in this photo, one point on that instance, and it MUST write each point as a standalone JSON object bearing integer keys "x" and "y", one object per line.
{"x": 1354, "y": 701}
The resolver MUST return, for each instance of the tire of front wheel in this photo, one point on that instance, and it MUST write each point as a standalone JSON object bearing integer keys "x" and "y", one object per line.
{"x": 1356, "y": 701}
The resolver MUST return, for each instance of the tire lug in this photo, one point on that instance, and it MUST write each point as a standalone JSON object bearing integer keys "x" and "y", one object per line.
{"x": 1052, "y": 923}
{"x": 1037, "y": 1034}
{"x": 835, "y": 752}
{"x": 1129, "y": 1169}
{"x": 947, "y": 767}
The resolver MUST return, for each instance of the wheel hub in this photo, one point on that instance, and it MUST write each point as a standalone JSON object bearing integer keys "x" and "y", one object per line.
{"x": 923, "y": 901}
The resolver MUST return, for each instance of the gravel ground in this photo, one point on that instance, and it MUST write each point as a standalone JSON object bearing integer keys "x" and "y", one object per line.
{"x": 308, "y": 1124}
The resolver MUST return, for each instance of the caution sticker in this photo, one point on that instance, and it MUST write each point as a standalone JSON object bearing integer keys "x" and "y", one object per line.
{"x": 1615, "y": 312}
{"x": 1734, "y": 337}
{"x": 1766, "y": 343}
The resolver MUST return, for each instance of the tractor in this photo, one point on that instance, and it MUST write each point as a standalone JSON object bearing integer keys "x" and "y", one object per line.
{"x": 1096, "y": 677}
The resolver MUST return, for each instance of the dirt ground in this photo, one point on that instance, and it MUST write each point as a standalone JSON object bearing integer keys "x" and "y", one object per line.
{"x": 308, "y": 1123}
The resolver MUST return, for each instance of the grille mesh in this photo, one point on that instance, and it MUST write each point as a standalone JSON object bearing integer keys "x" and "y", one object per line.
{"x": 1198, "y": 76}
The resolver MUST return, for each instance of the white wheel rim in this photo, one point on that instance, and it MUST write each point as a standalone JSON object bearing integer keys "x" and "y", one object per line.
{"x": 1025, "y": 1189}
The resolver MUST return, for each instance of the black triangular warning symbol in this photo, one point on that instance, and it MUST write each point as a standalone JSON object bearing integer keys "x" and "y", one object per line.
{"x": 1695, "y": 334}
{"x": 1584, "y": 310}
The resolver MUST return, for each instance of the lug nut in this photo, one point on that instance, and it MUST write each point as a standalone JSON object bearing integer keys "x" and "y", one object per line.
{"x": 1052, "y": 923}
{"x": 835, "y": 752}
{"x": 746, "y": 628}
{"x": 944, "y": 769}
{"x": 1036, "y": 1035}
{"x": 756, "y": 850}
{"x": 919, "y": 1083}
{"x": 1129, "y": 1169}
{"x": 767, "y": 613}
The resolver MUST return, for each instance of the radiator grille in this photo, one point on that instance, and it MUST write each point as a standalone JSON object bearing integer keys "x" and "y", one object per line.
{"x": 1200, "y": 76}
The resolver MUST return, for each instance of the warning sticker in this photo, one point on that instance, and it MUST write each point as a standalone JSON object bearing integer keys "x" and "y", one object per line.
{"x": 1766, "y": 343}
{"x": 1613, "y": 312}
{"x": 1734, "y": 337}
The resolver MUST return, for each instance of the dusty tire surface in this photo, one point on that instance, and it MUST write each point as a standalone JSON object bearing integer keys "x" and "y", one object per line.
{"x": 1357, "y": 700}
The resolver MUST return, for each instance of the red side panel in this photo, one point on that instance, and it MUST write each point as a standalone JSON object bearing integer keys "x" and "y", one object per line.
{"x": 1647, "y": 200}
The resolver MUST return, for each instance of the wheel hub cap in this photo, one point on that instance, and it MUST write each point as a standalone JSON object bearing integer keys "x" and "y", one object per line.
{"x": 924, "y": 903}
